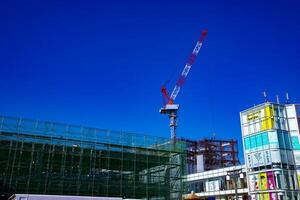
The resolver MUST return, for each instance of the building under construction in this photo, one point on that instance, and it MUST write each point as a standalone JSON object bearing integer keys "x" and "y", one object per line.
{"x": 209, "y": 154}
{"x": 39, "y": 157}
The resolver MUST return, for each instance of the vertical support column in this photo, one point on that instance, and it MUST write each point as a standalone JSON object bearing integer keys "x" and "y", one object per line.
{"x": 40, "y": 163}
{"x": 51, "y": 166}
{"x": 47, "y": 167}
{"x": 19, "y": 162}
{"x": 236, "y": 186}
{"x": 108, "y": 160}
{"x": 8, "y": 162}
{"x": 94, "y": 169}
{"x": 134, "y": 172}
{"x": 71, "y": 173}
{"x": 15, "y": 153}
{"x": 99, "y": 189}
{"x": 173, "y": 125}
{"x": 62, "y": 169}
{"x": 12, "y": 166}
{"x": 91, "y": 167}
{"x": 147, "y": 169}
{"x": 79, "y": 166}
{"x": 30, "y": 167}
{"x": 122, "y": 163}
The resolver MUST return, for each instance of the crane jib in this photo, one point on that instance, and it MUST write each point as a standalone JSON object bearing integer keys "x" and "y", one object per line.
{"x": 188, "y": 66}
{"x": 197, "y": 48}
{"x": 175, "y": 92}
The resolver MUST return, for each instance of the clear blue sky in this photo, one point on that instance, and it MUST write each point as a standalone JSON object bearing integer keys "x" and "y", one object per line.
{"x": 102, "y": 63}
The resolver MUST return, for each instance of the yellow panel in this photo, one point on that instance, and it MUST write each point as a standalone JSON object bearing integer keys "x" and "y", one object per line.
{"x": 263, "y": 181}
{"x": 264, "y": 196}
{"x": 298, "y": 175}
{"x": 253, "y": 116}
{"x": 268, "y": 121}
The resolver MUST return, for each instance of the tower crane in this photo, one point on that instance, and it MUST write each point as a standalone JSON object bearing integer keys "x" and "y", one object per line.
{"x": 169, "y": 107}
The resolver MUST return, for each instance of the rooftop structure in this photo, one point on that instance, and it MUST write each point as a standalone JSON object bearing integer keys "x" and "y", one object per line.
{"x": 40, "y": 157}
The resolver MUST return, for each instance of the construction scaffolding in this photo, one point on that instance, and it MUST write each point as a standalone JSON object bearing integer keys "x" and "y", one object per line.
{"x": 39, "y": 157}
{"x": 209, "y": 154}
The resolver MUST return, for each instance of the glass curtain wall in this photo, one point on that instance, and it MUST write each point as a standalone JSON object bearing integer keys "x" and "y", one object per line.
{"x": 39, "y": 157}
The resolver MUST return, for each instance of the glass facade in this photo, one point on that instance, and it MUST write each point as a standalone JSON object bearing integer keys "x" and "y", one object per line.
{"x": 39, "y": 157}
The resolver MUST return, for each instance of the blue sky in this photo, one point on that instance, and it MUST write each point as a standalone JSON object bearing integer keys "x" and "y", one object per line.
{"x": 102, "y": 63}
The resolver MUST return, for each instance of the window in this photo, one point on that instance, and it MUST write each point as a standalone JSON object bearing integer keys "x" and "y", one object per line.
{"x": 278, "y": 180}
{"x": 287, "y": 184}
{"x": 252, "y": 142}
{"x": 247, "y": 143}
{"x": 295, "y": 142}
{"x": 258, "y": 139}
{"x": 281, "y": 139}
{"x": 265, "y": 139}
{"x": 287, "y": 140}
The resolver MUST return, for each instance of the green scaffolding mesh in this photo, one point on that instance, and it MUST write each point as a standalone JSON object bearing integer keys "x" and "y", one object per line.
{"x": 39, "y": 157}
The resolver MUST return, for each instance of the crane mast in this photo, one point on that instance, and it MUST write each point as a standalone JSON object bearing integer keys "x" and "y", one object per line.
{"x": 169, "y": 107}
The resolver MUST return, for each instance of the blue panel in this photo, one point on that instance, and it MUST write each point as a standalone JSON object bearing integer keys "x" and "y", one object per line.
{"x": 247, "y": 143}
{"x": 265, "y": 138}
{"x": 252, "y": 142}
{"x": 258, "y": 139}
{"x": 295, "y": 143}
{"x": 281, "y": 139}
{"x": 287, "y": 140}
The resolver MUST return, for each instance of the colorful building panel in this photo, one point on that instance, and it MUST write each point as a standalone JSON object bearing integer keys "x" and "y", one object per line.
{"x": 268, "y": 148}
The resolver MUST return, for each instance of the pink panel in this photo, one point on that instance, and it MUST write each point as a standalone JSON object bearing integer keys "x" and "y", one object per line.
{"x": 271, "y": 181}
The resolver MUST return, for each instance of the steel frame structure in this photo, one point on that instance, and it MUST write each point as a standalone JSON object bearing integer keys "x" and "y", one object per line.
{"x": 216, "y": 153}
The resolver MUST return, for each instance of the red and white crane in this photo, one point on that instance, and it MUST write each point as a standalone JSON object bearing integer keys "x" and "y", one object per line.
{"x": 169, "y": 107}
